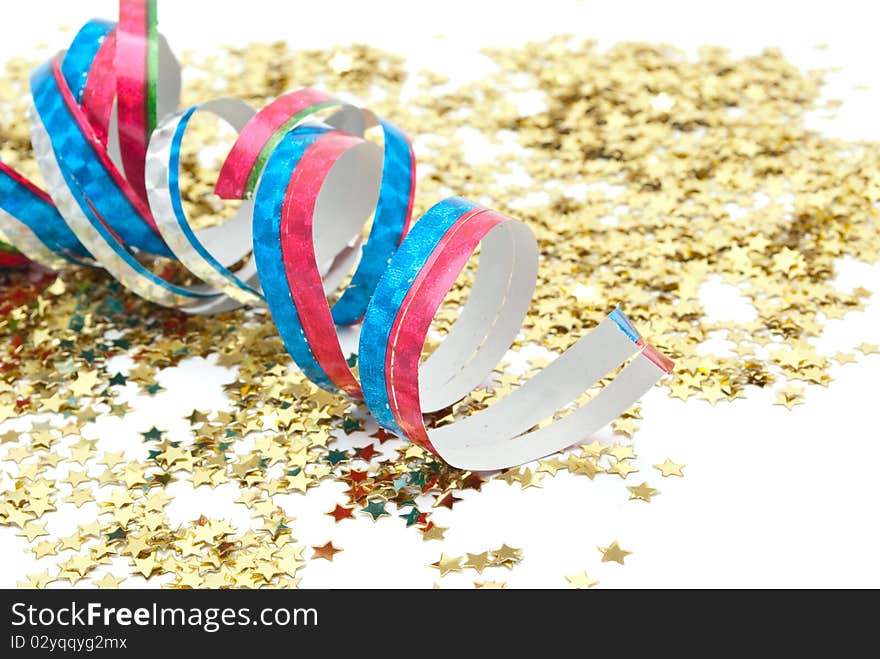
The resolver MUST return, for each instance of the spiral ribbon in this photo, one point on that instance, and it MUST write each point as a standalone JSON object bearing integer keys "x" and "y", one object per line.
{"x": 306, "y": 186}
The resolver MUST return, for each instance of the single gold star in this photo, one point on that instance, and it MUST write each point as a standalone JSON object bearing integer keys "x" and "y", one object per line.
{"x": 583, "y": 465}
{"x": 477, "y": 561}
{"x": 84, "y": 383}
{"x": 108, "y": 581}
{"x": 433, "y": 532}
{"x": 528, "y": 479}
{"x": 33, "y": 530}
{"x": 81, "y": 565}
{"x": 641, "y": 492}
{"x": 594, "y": 449}
{"x": 300, "y": 482}
{"x": 72, "y": 541}
{"x": 448, "y": 564}
{"x": 625, "y": 426}
{"x": 46, "y": 548}
{"x": 81, "y": 451}
{"x": 39, "y": 580}
{"x": 844, "y": 358}
{"x": 145, "y": 566}
{"x": 80, "y": 496}
{"x": 670, "y": 468}
{"x": 581, "y": 580}
{"x": 790, "y": 397}
{"x": 550, "y": 465}
{"x": 614, "y": 552}
{"x": 506, "y": 556}
{"x": 621, "y": 452}
{"x": 622, "y": 468}
{"x": 76, "y": 477}
{"x": 712, "y": 393}
{"x": 510, "y": 476}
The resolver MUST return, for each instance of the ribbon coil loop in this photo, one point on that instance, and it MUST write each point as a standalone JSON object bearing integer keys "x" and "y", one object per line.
{"x": 309, "y": 173}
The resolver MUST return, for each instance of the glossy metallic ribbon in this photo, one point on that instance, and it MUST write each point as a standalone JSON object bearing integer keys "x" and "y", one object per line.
{"x": 308, "y": 181}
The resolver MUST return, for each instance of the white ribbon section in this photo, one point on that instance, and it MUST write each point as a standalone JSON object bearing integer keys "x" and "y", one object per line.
{"x": 208, "y": 253}
{"x": 502, "y": 435}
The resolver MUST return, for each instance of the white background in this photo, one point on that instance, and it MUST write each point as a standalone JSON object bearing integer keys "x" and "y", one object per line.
{"x": 770, "y": 497}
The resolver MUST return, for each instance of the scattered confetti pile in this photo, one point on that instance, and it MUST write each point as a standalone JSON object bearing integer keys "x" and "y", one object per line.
{"x": 643, "y": 173}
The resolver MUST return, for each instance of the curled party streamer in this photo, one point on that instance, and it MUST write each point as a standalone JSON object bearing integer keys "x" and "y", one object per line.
{"x": 107, "y": 135}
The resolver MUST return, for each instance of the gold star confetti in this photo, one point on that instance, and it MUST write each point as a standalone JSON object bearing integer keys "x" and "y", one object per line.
{"x": 614, "y": 552}
{"x": 790, "y": 397}
{"x": 477, "y": 561}
{"x": 39, "y": 580}
{"x": 642, "y": 492}
{"x": 84, "y": 383}
{"x": 528, "y": 479}
{"x": 581, "y": 580}
{"x": 506, "y": 556}
{"x": 33, "y": 530}
{"x": 844, "y": 358}
{"x": 448, "y": 564}
{"x": 622, "y": 468}
{"x": 108, "y": 581}
{"x": 433, "y": 532}
{"x": 670, "y": 468}
{"x": 47, "y": 548}
{"x": 550, "y": 465}
{"x": 621, "y": 452}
